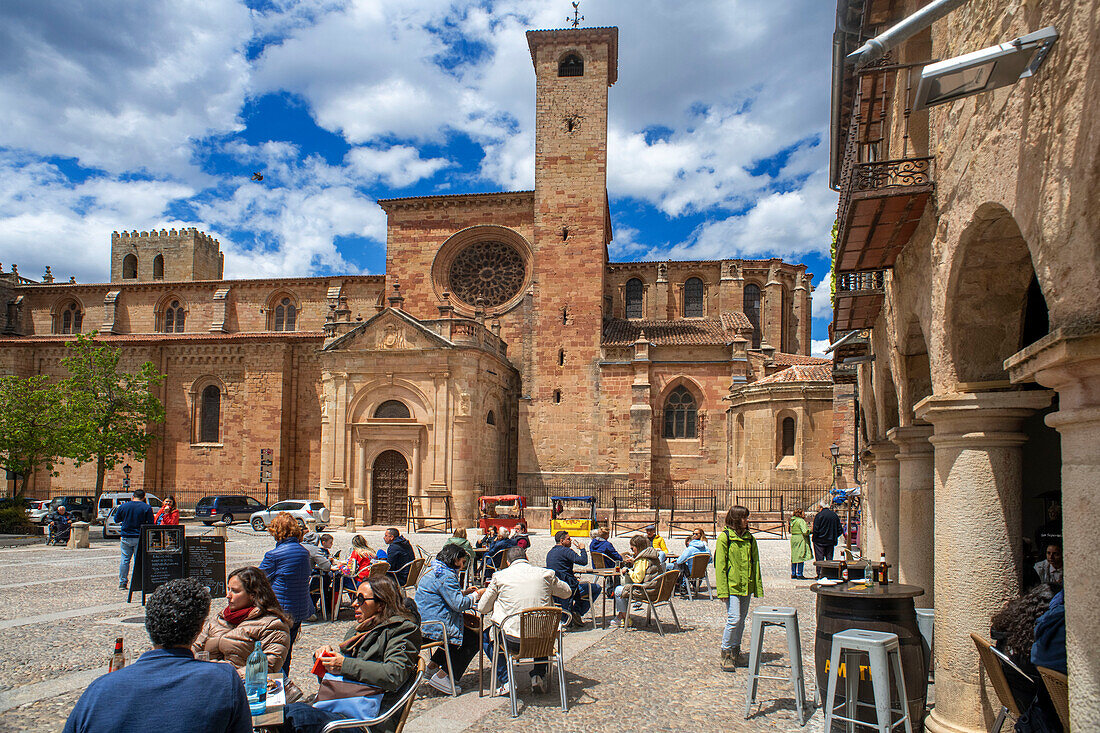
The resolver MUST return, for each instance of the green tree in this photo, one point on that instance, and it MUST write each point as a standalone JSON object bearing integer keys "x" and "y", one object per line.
{"x": 110, "y": 412}
{"x": 33, "y": 426}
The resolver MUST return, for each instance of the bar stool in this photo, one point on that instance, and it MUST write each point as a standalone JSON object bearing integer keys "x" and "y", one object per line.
{"x": 926, "y": 622}
{"x": 763, "y": 617}
{"x": 883, "y": 652}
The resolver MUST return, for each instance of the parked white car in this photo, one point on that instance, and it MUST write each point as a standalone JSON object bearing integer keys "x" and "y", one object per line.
{"x": 300, "y": 509}
{"x": 111, "y": 528}
{"x": 38, "y": 510}
{"x": 108, "y": 500}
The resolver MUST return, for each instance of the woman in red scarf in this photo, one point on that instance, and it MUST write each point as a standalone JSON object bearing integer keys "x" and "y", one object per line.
{"x": 168, "y": 513}
{"x": 252, "y": 615}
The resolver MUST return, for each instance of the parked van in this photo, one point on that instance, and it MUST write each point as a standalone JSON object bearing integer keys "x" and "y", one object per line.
{"x": 108, "y": 500}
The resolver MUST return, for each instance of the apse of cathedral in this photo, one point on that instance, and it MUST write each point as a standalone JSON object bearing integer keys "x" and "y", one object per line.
{"x": 500, "y": 346}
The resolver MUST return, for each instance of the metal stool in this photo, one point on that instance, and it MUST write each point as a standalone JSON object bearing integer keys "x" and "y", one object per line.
{"x": 926, "y": 622}
{"x": 883, "y": 652}
{"x": 763, "y": 617}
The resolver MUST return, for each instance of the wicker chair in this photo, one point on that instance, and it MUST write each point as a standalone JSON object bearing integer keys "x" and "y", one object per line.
{"x": 990, "y": 659}
{"x": 401, "y": 707}
{"x": 415, "y": 568}
{"x": 661, "y": 595}
{"x": 699, "y": 566}
{"x": 539, "y": 631}
{"x": 444, "y": 644}
{"x": 378, "y": 569}
{"x": 1058, "y": 686}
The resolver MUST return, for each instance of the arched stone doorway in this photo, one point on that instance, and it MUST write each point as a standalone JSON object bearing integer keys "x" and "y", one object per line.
{"x": 389, "y": 488}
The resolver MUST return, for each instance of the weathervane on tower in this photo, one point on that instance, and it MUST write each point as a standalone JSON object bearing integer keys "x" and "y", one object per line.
{"x": 577, "y": 17}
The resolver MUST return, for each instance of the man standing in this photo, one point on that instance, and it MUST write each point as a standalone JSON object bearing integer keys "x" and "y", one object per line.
{"x": 826, "y": 531}
{"x": 130, "y": 516}
{"x": 561, "y": 560}
{"x": 399, "y": 554}
{"x": 516, "y": 588}
{"x": 189, "y": 695}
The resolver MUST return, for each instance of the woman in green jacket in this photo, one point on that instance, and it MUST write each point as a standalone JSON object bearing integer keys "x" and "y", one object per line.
{"x": 737, "y": 571}
{"x": 459, "y": 538}
{"x": 380, "y": 650}
{"x": 800, "y": 544}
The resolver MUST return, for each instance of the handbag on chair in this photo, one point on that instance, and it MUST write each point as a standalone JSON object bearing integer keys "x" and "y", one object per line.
{"x": 338, "y": 694}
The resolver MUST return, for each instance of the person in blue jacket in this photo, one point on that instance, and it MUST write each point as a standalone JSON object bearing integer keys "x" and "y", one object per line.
{"x": 440, "y": 598}
{"x": 287, "y": 566}
{"x": 695, "y": 545}
{"x": 167, "y": 689}
{"x": 561, "y": 558}
{"x": 399, "y": 553}
{"x": 495, "y": 556}
{"x": 130, "y": 516}
{"x": 600, "y": 545}
{"x": 1049, "y": 649}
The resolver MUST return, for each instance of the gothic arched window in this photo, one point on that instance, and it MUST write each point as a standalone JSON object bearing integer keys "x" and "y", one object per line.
{"x": 210, "y": 421}
{"x": 680, "y": 414}
{"x": 285, "y": 315}
{"x": 392, "y": 409}
{"x": 751, "y": 307}
{"x": 174, "y": 316}
{"x": 70, "y": 319}
{"x": 571, "y": 65}
{"x": 787, "y": 436}
{"x": 490, "y": 419}
{"x": 634, "y": 290}
{"x": 129, "y": 267}
{"x": 158, "y": 267}
{"x": 693, "y": 298}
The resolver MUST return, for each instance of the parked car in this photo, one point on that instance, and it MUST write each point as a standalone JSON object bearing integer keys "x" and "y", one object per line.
{"x": 227, "y": 508}
{"x": 38, "y": 510}
{"x": 108, "y": 500}
{"x": 111, "y": 527}
{"x": 81, "y": 508}
{"x": 300, "y": 509}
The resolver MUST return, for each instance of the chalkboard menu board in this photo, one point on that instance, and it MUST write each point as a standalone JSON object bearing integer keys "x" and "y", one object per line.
{"x": 158, "y": 559}
{"x": 205, "y": 562}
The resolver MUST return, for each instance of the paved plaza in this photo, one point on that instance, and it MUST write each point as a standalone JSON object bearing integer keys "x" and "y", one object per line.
{"x": 61, "y": 610}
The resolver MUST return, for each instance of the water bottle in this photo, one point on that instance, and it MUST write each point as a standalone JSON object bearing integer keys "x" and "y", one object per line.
{"x": 255, "y": 680}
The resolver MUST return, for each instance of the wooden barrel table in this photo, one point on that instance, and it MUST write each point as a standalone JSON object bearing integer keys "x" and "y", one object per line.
{"x": 887, "y": 608}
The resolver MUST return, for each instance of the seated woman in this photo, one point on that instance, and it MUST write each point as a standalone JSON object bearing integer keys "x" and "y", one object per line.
{"x": 695, "y": 545}
{"x": 252, "y": 615}
{"x": 646, "y": 569}
{"x": 439, "y": 597}
{"x": 495, "y": 556}
{"x": 459, "y": 539}
{"x": 357, "y": 567}
{"x": 380, "y": 650}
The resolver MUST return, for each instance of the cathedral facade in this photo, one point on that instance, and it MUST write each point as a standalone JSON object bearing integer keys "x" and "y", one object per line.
{"x": 500, "y": 346}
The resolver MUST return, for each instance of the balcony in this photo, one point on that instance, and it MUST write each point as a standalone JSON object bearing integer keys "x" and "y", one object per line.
{"x": 857, "y": 300}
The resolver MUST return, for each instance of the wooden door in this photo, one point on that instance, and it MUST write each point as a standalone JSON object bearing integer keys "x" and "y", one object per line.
{"x": 389, "y": 488}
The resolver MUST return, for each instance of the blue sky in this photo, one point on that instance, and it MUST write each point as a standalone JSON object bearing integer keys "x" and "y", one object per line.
{"x": 155, "y": 114}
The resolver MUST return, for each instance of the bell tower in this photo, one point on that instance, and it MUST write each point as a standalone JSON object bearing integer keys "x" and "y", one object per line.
{"x": 573, "y": 70}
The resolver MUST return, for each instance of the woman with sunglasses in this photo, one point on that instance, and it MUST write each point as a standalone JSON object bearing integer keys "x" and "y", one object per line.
{"x": 380, "y": 650}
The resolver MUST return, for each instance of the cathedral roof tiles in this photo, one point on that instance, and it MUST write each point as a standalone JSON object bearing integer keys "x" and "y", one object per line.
{"x": 800, "y": 373}
{"x": 686, "y": 332}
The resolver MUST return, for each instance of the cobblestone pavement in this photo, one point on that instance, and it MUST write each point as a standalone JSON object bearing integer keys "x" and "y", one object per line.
{"x": 634, "y": 679}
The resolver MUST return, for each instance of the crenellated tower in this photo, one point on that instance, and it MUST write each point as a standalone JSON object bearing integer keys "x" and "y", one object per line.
{"x": 170, "y": 254}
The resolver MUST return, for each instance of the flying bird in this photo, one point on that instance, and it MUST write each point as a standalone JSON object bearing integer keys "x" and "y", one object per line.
{"x": 257, "y": 176}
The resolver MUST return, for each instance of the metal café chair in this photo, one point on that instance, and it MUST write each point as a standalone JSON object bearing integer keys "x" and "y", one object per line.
{"x": 415, "y": 568}
{"x": 699, "y": 567}
{"x": 992, "y": 660}
{"x": 660, "y": 596}
{"x": 401, "y": 707}
{"x": 444, "y": 644}
{"x": 539, "y": 629}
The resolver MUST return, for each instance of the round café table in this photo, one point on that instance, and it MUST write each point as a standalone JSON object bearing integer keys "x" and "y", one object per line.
{"x": 857, "y": 569}
{"x": 887, "y": 608}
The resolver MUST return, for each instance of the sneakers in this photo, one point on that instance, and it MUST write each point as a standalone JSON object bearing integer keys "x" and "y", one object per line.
{"x": 504, "y": 690}
{"x": 540, "y": 684}
{"x": 442, "y": 682}
{"x": 614, "y": 624}
{"x": 122, "y": 585}
{"x": 636, "y": 606}
{"x": 728, "y": 660}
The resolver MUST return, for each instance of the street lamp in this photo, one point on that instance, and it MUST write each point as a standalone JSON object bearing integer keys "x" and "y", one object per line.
{"x": 834, "y": 449}
{"x": 126, "y": 479}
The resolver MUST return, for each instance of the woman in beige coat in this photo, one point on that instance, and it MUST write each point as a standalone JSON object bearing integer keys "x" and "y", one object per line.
{"x": 252, "y": 615}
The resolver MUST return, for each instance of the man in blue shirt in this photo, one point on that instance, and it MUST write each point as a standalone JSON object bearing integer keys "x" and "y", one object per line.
{"x": 601, "y": 545}
{"x": 130, "y": 516}
{"x": 561, "y": 560}
{"x": 167, "y": 689}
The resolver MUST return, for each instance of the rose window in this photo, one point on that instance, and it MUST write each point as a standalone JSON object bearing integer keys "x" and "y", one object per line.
{"x": 490, "y": 271}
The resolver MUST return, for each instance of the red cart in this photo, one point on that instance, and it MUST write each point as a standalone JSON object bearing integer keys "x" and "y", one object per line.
{"x": 504, "y": 510}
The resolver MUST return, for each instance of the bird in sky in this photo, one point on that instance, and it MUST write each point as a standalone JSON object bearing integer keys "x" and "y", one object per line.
{"x": 257, "y": 176}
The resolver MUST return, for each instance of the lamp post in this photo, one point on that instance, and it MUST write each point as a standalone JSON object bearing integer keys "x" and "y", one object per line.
{"x": 126, "y": 478}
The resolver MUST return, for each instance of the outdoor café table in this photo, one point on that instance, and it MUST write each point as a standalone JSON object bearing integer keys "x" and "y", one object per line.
{"x": 887, "y": 608}
{"x": 276, "y": 701}
{"x": 604, "y": 573}
{"x": 857, "y": 569}
{"x": 479, "y": 562}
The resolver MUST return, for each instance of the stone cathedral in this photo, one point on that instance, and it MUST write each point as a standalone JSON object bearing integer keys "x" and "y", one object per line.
{"x": 501, "y": 345}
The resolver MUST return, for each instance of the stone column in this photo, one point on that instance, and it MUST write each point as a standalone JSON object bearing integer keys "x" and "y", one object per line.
{"x": 800, "y": 315}
{"x": 1068, "y": 360}
{"x": 977, "y": 443}
{"x": 885, "y": 507}
{"x": 916, "y": 468}
{"x": 872, "y": 542}
{"x": 771, "y": 313}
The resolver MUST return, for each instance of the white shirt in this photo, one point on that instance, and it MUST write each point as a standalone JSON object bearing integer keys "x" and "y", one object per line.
{"x": 1048, "y": 573}
{"x": 518, "y": 587}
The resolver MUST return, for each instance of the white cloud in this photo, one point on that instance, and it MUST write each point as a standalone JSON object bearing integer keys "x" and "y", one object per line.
{"x": 398, "y": 166}
{"x": 822, "y": 306}
{"x": 818, "y": 346}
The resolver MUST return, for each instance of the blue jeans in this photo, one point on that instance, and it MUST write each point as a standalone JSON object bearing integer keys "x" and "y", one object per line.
{"x": 129, "y": 547}
{"x": 737, "y": 609}
{"x": 796, "y": 568}
{"x": 579, "y": 604}
{"x": 298, "y": 717}
{"x": 293, "y": 635}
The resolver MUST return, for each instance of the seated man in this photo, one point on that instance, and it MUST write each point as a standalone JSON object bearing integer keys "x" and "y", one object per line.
{"x": 516, "y": 588}
{"x": 656, "y": 541}
{"x": 561, "y": 560}
{"x": 320, "y": 562}
{"x": 189, "y": 695}
{"x": 399, "y": 553}
{"x": 60, "y": 524}
{"x": 600, "y": 545}
{"x": 1049, "y": 569}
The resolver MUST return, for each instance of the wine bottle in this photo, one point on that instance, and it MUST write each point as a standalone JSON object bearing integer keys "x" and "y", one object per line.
{"x": 882, "y": 574}
{"x": 843, "y": 571}
{"x": 118, "y": 657}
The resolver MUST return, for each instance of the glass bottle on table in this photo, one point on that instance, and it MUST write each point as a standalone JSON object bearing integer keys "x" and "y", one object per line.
{"x": 118, "y": 657}
{"x": 882, "y": 574}
{"x": 843, "y": 574}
